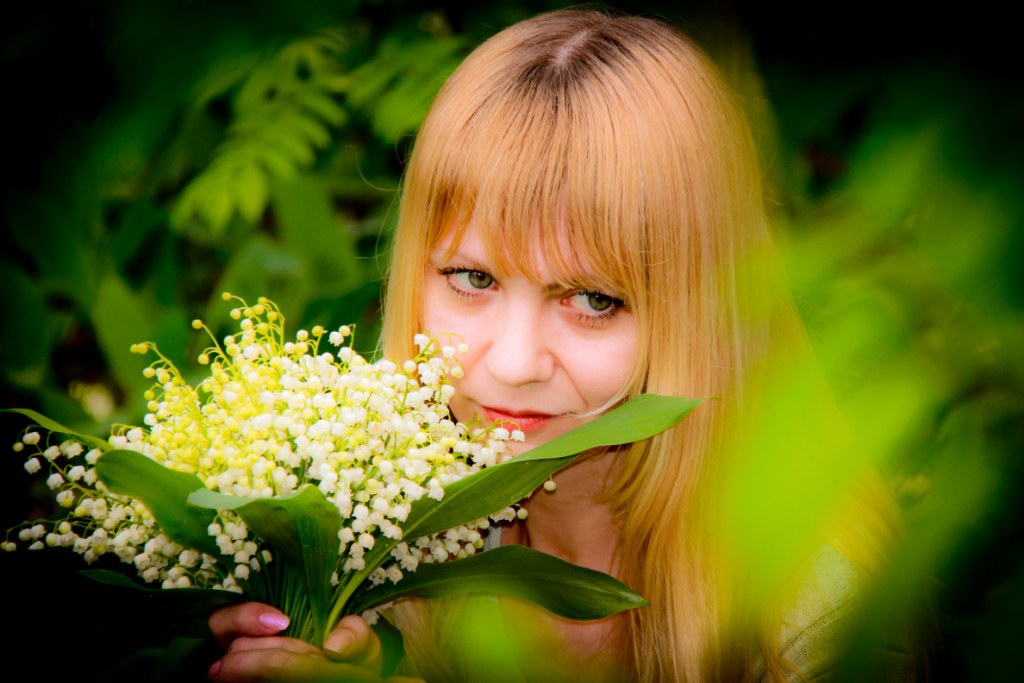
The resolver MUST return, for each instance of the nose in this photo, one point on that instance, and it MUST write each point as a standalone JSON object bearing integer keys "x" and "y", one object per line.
{"x": 521, "y": 352}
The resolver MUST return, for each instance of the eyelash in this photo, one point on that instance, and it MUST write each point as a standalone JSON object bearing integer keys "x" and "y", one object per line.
{"x": 595, "y": 319}
{"x": 466, "y": 295}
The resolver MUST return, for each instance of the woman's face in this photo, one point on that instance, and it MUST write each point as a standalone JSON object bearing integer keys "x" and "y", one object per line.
{"x": 538, "y": 353}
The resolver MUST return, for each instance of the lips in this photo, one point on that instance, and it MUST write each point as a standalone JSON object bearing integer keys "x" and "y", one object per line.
{"x": 512, "y": 419}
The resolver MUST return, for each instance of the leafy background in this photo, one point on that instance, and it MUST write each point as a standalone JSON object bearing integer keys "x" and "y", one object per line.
{"x": 159, "y": 153}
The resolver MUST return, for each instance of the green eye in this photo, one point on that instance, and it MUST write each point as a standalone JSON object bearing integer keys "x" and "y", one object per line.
{"x": 478, "y": 279}
{"x": 599, "y": 302}
{"x": 595, "y": 304}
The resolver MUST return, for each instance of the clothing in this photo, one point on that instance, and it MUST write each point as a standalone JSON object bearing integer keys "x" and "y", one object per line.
{"x": 815, "y": 625}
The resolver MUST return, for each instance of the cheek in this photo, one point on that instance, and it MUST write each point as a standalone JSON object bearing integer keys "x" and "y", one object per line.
{"x": 602, "y": 372}
{"x": 442, "y": 320}
{"x": 444, "y": 323}
{"x": 436, "y": 317}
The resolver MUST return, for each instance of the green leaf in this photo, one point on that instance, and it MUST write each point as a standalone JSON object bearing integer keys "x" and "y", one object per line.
{"x": 57, "y": 236}
{"x": 494, "y": 488}
{"x": 212, "y": 200}
{"x": 289, "y": 141}
{"x": 301, "y": 527}
{"x": 251, "y": 192}
{"x": 121, "y": 317}
{"x": 493, "y": 645}
{"x": 197, "y": 602}
{"x": 325, "y": 107}
{"x": 260, "y": 266}
{"x": 277, "y": 163}
{"x": 58, "y": 428}
{"x": 311, "y": 128}
{"x": 560, "y": 587}
{"x": 310, "y": 227}
{"x": 391, "y": 643}
{"x": 165, "y": 494}
{"x": 222, "y": 76}
{"x": 24, "y": 306}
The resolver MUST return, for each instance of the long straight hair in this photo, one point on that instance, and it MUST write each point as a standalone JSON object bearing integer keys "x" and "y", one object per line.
{"x": 611, "y": 144}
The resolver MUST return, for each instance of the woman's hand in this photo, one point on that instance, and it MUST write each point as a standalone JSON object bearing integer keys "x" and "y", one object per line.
{"x": 351, "y": 653}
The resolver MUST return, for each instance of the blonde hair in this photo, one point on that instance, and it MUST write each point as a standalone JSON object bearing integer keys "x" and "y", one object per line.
{"x": 611, "y": 144}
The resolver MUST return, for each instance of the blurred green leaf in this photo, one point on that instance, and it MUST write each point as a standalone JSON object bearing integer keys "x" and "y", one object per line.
{"x": 313, "y": 230}
{"x": 24, "y": 338}
{"x": 121, "y": 318}
{"x": 222, "y": 76}
{"x": 397, "y": 86}
{"x": 251, "y": 192}
{"x": 212, "y": 200}
{"x": 560, "y": 587}
{"x": 324, "y": 107}
{"x": 258, "y": 267}
{"x": 50, "y": 233}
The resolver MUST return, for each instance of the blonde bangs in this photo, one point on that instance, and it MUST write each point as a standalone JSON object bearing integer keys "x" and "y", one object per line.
{"x": 521, "y": 170}
{"x": 587, "y": 168}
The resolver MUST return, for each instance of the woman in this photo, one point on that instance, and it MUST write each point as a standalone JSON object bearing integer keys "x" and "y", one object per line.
{"x": 583, "y": 208}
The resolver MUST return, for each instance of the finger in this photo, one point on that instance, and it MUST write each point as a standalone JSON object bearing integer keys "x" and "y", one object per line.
{"x": 285, "y": 666}
{"x": 353, "y": 641}
{"x": 246, "y": 644}
{"x": 246, "y": 619}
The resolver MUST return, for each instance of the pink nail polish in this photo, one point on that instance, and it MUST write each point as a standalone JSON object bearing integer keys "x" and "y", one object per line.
{"x": 273, "y": 620}
{"x": 214, "y": 669}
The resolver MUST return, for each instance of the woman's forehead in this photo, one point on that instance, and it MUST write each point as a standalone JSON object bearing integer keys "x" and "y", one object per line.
{"x": 546, "y": 256}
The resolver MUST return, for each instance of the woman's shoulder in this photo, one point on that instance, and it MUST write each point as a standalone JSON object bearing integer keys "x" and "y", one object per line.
{"x": 817, "y": 625}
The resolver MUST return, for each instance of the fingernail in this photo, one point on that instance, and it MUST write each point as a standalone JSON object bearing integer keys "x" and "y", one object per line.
{"x": 214, "y": 669}
{"x": 274, "y": 620}
{"x": 337, "y": 642}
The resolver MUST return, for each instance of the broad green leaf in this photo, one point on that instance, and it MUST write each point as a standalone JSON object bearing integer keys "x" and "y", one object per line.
{"x": 58, "y": 428}
{"x": 493, "y": 488}
{"x": 513, "y": 571}
{"x": 165, "y": 494}
{"x": 638, "y": 419}
{"x": 301, "y": 527}
{"x": 196, "y": 602}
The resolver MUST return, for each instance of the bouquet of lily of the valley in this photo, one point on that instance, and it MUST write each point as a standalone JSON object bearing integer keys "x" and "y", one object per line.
{"x": 299, "y": 474}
